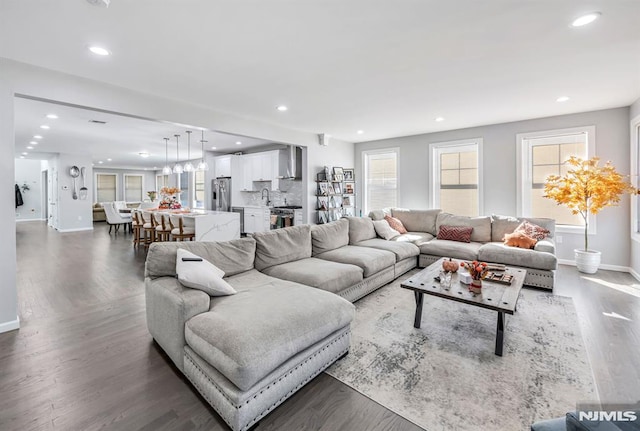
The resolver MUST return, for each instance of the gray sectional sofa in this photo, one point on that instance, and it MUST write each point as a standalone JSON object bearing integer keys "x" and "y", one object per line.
{"x": 486, "y": 241}
{"x": 290, "y": 318}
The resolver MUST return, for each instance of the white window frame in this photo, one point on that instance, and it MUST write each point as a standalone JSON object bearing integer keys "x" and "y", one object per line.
{"x": 124, "y": 186}
{"x": 159, "y": 177}
{"x": 438, "y": 148}
{"x": 525, "y": 175}
{"x": 95, "y": 183}
{"x": 204, "y": 190}
{"x": 364, "y": 174}
{"x": 635, "y": 172}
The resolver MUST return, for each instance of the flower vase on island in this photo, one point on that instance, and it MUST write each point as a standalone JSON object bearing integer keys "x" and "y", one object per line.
{"x": 169, "y": 199}
{"x": 478, "y": 271}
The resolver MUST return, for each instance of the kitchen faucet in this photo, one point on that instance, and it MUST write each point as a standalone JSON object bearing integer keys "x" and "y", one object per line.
{"x": 265, "y": 189}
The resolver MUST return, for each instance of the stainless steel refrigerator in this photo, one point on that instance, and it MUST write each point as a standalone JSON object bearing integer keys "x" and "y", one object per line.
{"x": 221, "y": 188}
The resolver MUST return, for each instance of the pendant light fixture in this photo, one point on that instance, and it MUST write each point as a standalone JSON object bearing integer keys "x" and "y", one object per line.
{"x": 177, "y": 168}
{"x": 188, "y": 167}
{"x": 167, "y": 169}
{"x": 203, "y": 166}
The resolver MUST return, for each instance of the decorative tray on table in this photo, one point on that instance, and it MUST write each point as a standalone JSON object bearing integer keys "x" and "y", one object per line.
{"x": 499, "y": 278}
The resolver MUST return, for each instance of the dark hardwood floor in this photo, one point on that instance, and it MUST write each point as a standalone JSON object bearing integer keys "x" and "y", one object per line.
{"x": 83, "y": 359}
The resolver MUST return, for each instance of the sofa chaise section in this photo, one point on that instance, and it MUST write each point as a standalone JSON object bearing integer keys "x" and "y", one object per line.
{"x": 248, "y": 352}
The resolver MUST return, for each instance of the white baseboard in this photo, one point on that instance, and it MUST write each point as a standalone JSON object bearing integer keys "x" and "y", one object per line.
{"x": 634, "y": 274}
{"x": 10, "y": 326}
{"x": 19, "y": 220}
{"x": 604, "y": 266}
{"x": 75, "y": 230}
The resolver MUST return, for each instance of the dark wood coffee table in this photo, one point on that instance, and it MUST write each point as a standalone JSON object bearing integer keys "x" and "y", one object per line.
{"x": 495, "y": 296}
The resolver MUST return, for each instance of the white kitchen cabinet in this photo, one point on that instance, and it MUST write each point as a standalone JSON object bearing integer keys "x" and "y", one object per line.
{"x": 256, "y": 167}
{"x": 297, "y": 217}
{"x": 222, "y": 166}
{"x": 256, "y": 219}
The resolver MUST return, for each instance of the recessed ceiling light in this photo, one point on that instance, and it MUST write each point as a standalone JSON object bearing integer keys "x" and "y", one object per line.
{"x": 108, "y": 160}
{"x": 22, "y": 157}
{"x": 33, "y": 142}
{"x": 37, "y": 137}
{"x": 238, "y": 143}
{"x": 562, "y": 99}
{"x": 24, "y": 154}
{"x": 586, "y": 19}
{"x": 100, "y": 161}
{"x": 52, "y": 116}
{"x": 214, "y": 148}
{"x": 281, "y": 108}
{"x": 143, "y": 154}
{"x": 98, "y": 50}
{"x": 29, "y": 148}
{"x": 439, "y": 119}
{"x": 44, "y": 126}
{"x": 155, "y": 167}
{"x": 360, "y": 132}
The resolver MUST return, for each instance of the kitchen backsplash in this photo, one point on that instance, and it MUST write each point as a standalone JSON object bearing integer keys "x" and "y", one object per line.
{"x": 291, "y": 190}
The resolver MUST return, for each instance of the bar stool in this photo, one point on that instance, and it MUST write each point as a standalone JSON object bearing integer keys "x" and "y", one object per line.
{"x": 149, "y": 227}
{"x": 136, "y": 226}
{"x": 163, "y": 229}
{"x": 179, "y": 231}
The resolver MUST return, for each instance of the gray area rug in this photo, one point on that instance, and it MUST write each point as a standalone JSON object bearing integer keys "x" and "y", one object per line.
{"x": 445, "y": 376}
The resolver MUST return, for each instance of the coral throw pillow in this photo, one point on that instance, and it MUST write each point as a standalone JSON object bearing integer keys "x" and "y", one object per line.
{"x": 395, "y": 224}
{"x": 520, "y": 240}
{"x": 532, "y": 230}
{"x": 455, "y": 233}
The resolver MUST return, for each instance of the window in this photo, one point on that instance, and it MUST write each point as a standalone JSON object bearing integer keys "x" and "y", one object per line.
{"x": 543, "y": 154}
{"x": 380, "y": 179}
{"x": 106, "y": 187}
{"x": 183, "y": 184}
{"x": 456, "y": 177}
{"x": 199, "y": 189}
{"x": 161, "y": 181}
{"x": 133, "y": 185}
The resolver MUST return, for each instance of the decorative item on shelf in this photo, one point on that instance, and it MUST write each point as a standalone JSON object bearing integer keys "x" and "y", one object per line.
{"x": 338, "y": 174}
{"x": 25, "y": 187}
{"x": 349, "y": 174}
{"x": 177, "y": 168}
{"x": 337, "y": 189}
{"x": 152, "y": 195}
{"x": 323, "y": 189}
{"x": 349, "y": 188}
{"x": 167, "y": 169}
{"x": 169, "y": 199}
{"x": 203, "y": 166}
{"x": 587, "y": 188}
{"x": 327, "y": 173}
{"x": 478, "y": 271}
{"x": 188, "y": 166}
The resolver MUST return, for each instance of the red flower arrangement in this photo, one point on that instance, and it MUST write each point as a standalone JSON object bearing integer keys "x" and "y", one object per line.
{"x": 478, "y": 270}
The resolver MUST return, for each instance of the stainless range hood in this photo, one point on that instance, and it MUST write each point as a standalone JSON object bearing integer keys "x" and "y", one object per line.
{"x": 290, "y": 163}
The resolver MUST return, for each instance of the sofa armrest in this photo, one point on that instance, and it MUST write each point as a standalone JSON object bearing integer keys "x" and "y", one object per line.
{"x": 169, "y": 306}
{"x": 548, "y": 245}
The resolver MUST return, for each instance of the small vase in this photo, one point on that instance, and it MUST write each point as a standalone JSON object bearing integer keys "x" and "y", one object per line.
{"x": 475, "y": 286}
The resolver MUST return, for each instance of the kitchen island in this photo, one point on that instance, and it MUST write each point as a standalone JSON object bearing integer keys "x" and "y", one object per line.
{"x": 213, "y": 225}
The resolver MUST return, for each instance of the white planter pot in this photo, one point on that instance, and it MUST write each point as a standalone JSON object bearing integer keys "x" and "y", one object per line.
{"x": 587, "y": 261}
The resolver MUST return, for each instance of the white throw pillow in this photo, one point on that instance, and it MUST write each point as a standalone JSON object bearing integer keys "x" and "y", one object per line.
{"x": 201, "y": 274}
{"x": 384, "y": 230}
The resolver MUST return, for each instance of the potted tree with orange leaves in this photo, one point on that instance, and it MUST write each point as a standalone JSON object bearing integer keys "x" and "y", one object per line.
{"x": 586, "y": 189}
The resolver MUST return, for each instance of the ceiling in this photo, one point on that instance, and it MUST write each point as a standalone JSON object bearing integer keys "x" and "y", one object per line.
{"x": 115, "y": 144}
{"x": 388, "y": 68}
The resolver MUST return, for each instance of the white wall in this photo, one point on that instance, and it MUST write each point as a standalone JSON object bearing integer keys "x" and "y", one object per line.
{"x": 148, "y": 181}
{"x": 29, "y": 172}
{"x": 8, "y": 297}
{"x": 73, "y": 214}
{"x": 634, "y": 109}
{"x": 499, "y": 158}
